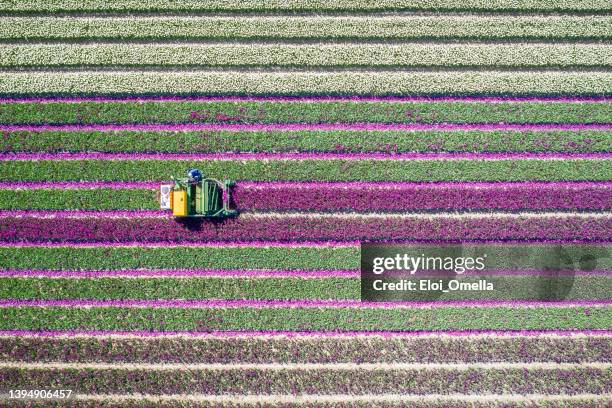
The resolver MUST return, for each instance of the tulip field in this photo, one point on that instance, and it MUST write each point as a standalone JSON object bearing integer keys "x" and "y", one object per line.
{"x": 342, "y": 122}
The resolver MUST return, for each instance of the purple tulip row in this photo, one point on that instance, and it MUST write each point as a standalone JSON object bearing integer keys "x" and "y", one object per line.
{"x": 295, "y": 381}
{"x": 299, "y": 227}
{"x": 367, "y": 402}
{"x": 422, "y": 196}
{"x": 261, "y": 350}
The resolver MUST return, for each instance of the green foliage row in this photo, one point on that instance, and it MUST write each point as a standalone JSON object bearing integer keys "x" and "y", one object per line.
{"x": 305, "y": 319}
{"x": 179, "y": 257}
{"x": 500, "y": 256}
{"x": 312, "y": 169}
{"x": 179, "y": 288}
{"x": 84, "y": 199}
{"x": 107, "y": 288}
{"x": 336, "y": 141}
{"x": 83, "y": 112}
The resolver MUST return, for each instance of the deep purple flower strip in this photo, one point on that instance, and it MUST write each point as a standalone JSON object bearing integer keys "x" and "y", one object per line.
{"x": 313, "y": 227}
{"x": 422, "y": 196}
{"x": 387, "y": 196}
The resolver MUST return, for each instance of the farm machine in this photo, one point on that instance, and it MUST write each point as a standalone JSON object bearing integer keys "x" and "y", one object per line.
{"x": 197, "y": 197}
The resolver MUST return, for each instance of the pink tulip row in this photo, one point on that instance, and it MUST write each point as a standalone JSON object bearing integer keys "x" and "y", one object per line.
{"x": 311, "y": 227}
{"x": 421, "y": 196}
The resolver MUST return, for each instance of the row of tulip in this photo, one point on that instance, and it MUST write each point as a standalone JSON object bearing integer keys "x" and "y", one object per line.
{"x": 114, "y": 256}
{"x": 307, "y": 55}
{"x": 342, "y": 401}
{"x": 337, "y": 197}
{"x": 308, "y": 349}
{"x": 313, "y": 28}
{"x": 310, "y": 227}
{"x": 295, "y": 381}
{"x": 509, "y": 288}
{"x": 356, "y": 168}
{"x": 50, "y": 6}
{"x": 406, "y": 197}
{"x": 293, "y": 318}
{"x": 334, "y": 141}
{"x": 381, "y": 111}
{"x": 301, "y": 83}
{"x": 184, "y": 288}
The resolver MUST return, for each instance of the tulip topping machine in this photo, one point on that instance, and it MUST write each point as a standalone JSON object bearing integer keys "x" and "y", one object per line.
{"x": 197, "y": 197}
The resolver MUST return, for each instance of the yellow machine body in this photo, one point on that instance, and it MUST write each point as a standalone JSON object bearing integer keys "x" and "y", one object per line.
{"x": 179, "y": 203}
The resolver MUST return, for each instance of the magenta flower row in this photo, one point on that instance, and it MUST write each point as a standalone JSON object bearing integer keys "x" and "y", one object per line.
{"x": 423, "y": 197}
{"x": 247, "y": 227}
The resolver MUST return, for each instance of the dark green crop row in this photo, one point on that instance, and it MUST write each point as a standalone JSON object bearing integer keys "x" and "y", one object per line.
{"x": 180, "y": 257}
{"x": 312, "y": 169}
{"x": 164, "y": 319}
{"x": 181, "y": 288}
{"x": 307, "y": 349}
{"x": 305, "y": 319}
{"x": 84, "y": 199}
{"x": 506, "y": 288}
{"x": 500, "y": 256}
{"x": 339, "y": 141}
{"x": 133, "y": 112}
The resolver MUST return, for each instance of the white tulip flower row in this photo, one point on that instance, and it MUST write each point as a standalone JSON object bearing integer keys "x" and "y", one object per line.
{"x": 313, "y": 55}
{"x": 299, "y": 83}
{"x": 297, "y": 5}
{"x": 307, "y": 27}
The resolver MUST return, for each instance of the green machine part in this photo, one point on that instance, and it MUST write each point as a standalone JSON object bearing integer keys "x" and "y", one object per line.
{"x": 211, "y": 196}
{"x": 208, "y": 198}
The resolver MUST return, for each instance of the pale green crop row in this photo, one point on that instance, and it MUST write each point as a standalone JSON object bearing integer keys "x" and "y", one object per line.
{"x": 300, "y": 83}
{"x": 299, "y": 5}
{"x": 314, "y": 55}
{"x": 307, "y": 27}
